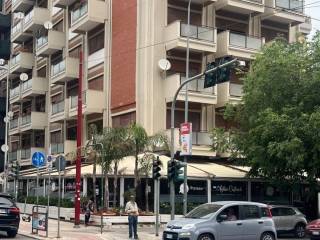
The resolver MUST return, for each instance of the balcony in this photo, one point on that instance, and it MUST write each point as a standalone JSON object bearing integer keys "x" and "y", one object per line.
{"x": 196, "y": 92}
{"x": 14, "y": 94}
{"x": 68, "y": 146}
{"x": 284, "y": 11}
{"x": 201, "y": 143}
{"x": 13, "y": 156}
{"x": 3, "y": 73}
{"x": 22, "y": 5}
{"x": 5, "y": 49}
{"x": 26, "y": 154}
{"x": 63, "y": 3}
{"x": 238, "y": 45}
{"x": 34, "y": 121}
{"x": 59, "y": 111}
{"x": 202, "y": 39}
{"x": 241, "y": 6}
{"x": 18, "y": 35}
{"x": 89, "y": 15}
{"x": 21, "y": 62}
{"x": 14, "y": 126}
{"x": 35, "y": 19}
{"x": 305, "y": 27}
{"x": 51, "y": 43}
{"x": 92, "y": 103}
{"x": 229, "y": 93}
{"x": 34, "y": 87}
{"x": 64, "y": 71}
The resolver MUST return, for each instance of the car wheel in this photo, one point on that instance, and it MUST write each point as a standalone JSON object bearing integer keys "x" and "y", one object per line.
{"x": 267, "y": 236}
{"x": 300, "y": 231}
{"x": 11, "y": 234}
{"x": 205, "y": 236}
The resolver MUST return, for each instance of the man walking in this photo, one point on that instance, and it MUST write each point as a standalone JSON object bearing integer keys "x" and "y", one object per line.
{"x": 133, "y": 212}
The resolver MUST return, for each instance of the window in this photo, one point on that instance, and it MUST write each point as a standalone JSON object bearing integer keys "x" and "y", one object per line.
{"x": 265, "y": 212}
{"x": 286, "y": 212}
{"x": 96, "y": 83}
{"x": 56, "y": 137}
{"x": 250, "y": 212}
{"x": 232, "y": 213}
{"x": 96, "y": 43}
{"x": 275, "y": 212}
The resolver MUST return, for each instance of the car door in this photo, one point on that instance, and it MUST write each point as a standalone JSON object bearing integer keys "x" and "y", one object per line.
{"x": 276, "y": 216}
{"x": 287, "y": 218}
{"x": 251, "y": 221}
{"x": 230, "y": 229}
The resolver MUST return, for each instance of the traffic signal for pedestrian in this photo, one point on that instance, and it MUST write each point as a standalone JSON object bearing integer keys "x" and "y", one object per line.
{"x": 223, "y": 74}
{"x": 15, "y": 168}
{"x": 210, "y": 79}
{"x": 179, "y": 171}
{"x": 171, "y": 170}
{"x": 156, "y": 168}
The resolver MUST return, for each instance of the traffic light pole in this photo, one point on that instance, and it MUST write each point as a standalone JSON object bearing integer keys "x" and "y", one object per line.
{"x": 173, "y": 106}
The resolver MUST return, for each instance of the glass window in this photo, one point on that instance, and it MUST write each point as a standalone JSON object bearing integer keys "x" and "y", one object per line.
{"x": 275, "y": 212}
{"x": 5, "y": 201}
{"x": 287, "y": 212}
{"x": 204, "y": 211}
{"x": 250, "y": 212}
{"x": 232, "y": 213}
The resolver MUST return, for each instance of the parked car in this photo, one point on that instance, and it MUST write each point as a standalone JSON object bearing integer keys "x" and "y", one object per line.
{"x": 225, "y": 220}
{"x": 9, "y": 215}
{"x": 289, "y": 220}
{"x": 313, "y": 229}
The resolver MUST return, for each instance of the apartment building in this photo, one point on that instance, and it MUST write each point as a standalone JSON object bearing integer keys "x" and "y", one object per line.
{"x": 122, "y": 42}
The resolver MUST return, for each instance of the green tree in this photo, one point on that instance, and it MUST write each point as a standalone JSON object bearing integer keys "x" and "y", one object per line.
{"x": 279, "y": 118}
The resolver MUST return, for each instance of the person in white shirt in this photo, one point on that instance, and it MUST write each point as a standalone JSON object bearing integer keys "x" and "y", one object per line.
{"x": 133, "y": 212}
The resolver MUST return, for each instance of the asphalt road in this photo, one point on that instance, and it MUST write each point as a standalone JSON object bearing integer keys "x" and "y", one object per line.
{"x": 3, "y": 235}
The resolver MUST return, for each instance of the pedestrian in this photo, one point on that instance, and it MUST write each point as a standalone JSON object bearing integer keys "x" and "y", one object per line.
{"x": 133, "y": 212}
{"x": 88, "y": 210}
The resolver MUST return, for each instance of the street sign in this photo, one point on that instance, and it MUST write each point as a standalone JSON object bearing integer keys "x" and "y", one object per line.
{"x": 181, "y": 189}
{"x": 4, "y": 148}
{"x": 186, "y": 138}
{"x": 60, "y": 163}
{"x": 38, "y": 159}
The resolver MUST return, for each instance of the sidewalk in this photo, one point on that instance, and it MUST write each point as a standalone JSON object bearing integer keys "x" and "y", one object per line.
{"x": 67, "y": 231}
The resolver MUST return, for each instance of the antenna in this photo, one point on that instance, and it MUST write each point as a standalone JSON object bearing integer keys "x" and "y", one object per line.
{"x": 164, "y": 64}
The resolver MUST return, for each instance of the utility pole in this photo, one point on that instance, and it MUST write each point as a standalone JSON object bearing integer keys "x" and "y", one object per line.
{"x": 79, "y": 143}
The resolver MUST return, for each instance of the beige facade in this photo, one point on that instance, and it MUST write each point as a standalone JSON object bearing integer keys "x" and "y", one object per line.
{"x": 122, "y": 81}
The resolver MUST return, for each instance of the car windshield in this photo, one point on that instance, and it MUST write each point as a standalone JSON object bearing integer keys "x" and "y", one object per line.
{"x": 204, "y": 211}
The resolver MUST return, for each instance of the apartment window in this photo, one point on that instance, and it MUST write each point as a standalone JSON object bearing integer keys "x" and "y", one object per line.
{"x": 72, "y": 133}
{"x": 96, "y": 43}
{"x": 75, "y": 53}
{"x": 124, "y": 120}
{"x": 59, "y": 26}
{"x": 40, "y": 104}
{"x": 96, "y": 83}
{"x": 26, "y": 141}
{"x": 56, "y": 137}
{"x": 42, "y": 72}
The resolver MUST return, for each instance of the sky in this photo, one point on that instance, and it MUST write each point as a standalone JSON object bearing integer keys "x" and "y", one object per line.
{"x": 313, "y": 10}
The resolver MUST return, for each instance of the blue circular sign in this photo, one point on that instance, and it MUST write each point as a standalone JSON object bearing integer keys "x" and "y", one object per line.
{"x": 38, "y": 159}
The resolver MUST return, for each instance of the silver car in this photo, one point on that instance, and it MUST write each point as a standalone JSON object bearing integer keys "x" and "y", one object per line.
{"x": 289, "y": 220}
{"x": 225, "y": 220}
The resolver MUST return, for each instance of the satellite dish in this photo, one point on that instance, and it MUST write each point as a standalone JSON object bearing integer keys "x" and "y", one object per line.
{"x": 10, "y": 114}
{"x": 6, "y": 119}
{"x": 24, "y": 77}
{"x": 164, "y": 64}
{"x": 4, "y": 148}
{"x": 48, "y": 25}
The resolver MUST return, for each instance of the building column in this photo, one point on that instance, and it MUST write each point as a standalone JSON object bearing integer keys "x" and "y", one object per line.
{"x": 121, "y": 191}
{"x": 249, "y": 191}
{"x": 85, "y": 186}
{"x": 27, "y": 187}
{"x": 209, "y": 190}
{"x": 44, "y": 187}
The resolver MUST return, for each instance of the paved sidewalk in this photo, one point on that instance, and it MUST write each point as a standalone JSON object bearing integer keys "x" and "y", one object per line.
{"x": 119, "y": 232}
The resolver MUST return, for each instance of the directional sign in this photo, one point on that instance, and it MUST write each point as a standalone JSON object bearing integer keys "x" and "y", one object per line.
{"x": 38, "y": 159}
{"x": 60, "y": 163}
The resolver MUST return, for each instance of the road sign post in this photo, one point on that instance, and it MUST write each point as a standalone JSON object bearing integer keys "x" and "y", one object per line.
{"x": 60, "y": 166}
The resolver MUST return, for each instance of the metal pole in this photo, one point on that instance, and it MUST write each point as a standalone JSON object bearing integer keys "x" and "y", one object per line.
{"x": 37, "y": 191}
{"x": 48, "y": 193}
{"x": 173, "y": 105}
{"x": 156, "y": 184}
{"x": 59, "y": 197}
{"x": 186, "y": 108}
{"x": 7, "y": 126}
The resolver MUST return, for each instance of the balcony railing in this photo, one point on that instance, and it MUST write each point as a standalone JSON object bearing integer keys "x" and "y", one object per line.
{"x": 57, "y": 148}
{"x": 16, "y": 28}
{"x": 15, "y": 60}
{"x": 28, "y": 17}
{"x": 197, "y": 86}
{"x": 244, "y": 41}
{"x": 57, "y": 107}
{"x": 58, "y": 68}
{"x": 197, "y": 32}
{"x": 14, "y": 123}
{"x": 201, "y": 138}
{"x": 41, "y": 41}
{"x": 25, "y": 153}
{"x": 26, "y": 119}
{"x": 12, "y": 156}
{"x": 293, "y": 5}
{"x": 14, "y": 92}
{"x": 26, "y": 85}
{"x": 79, "y": 12}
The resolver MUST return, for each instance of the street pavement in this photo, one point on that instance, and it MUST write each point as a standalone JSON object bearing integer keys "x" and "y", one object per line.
{"x": 3, "y": 235}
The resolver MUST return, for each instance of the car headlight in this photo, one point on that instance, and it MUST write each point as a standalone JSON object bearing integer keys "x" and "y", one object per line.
{"x": 188, "y": 226}
{"x": 185, "y": 234}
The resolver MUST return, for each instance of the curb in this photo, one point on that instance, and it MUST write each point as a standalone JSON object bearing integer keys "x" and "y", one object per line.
{"x": 26, "y": 235}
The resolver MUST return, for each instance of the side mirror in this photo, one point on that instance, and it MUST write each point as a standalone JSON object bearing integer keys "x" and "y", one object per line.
{"x": 222, "y": 218}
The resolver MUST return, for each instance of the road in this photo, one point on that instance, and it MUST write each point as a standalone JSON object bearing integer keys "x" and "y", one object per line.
{"x": 3, "y": 235}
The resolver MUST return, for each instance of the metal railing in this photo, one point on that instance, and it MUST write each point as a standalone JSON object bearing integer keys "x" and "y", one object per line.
{"x": 26, "y": 85}
{"x": 293, "y": 5}
{"x": 16, "y": 59}
{"x": 198, "y": 86}
{"x": 244, "y": 41}
{"x": 197, "y": 32}
{"x": 41, "y": 41}
{"x": 14, "y": 92}
{"x": 235, "y": 90}
{"x": 201, "y": 138}
{"x": 79, "y": 12}
{"x": 26, "y": 119}
{"x": 28, "y": 18}
{"x": 25, "y": 153}
{"x": 16, "y": 28}
{"x": 14, "y": 123}
{"x": 12, "y": 156}
{"x": 58, "y": 68}
{"x": 57, "y": 148}
{"x": 57, "y": 107}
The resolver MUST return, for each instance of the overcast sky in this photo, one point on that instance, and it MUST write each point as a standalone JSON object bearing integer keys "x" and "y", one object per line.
{"x": 313, "y": 10}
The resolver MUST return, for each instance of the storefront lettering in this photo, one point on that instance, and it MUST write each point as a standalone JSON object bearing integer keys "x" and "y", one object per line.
{"x": 197, "y": 188}
{"x": 227, "y": 189}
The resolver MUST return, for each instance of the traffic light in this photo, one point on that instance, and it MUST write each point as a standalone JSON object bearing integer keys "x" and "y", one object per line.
{"x": 156, "y": 169}
{"x": 210, "y": 79}
{"x": 171, "y": 170}
{"x": 179, "y": 171}
{"x": 223, "y": 74}
{"x": 15, "y": 168}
